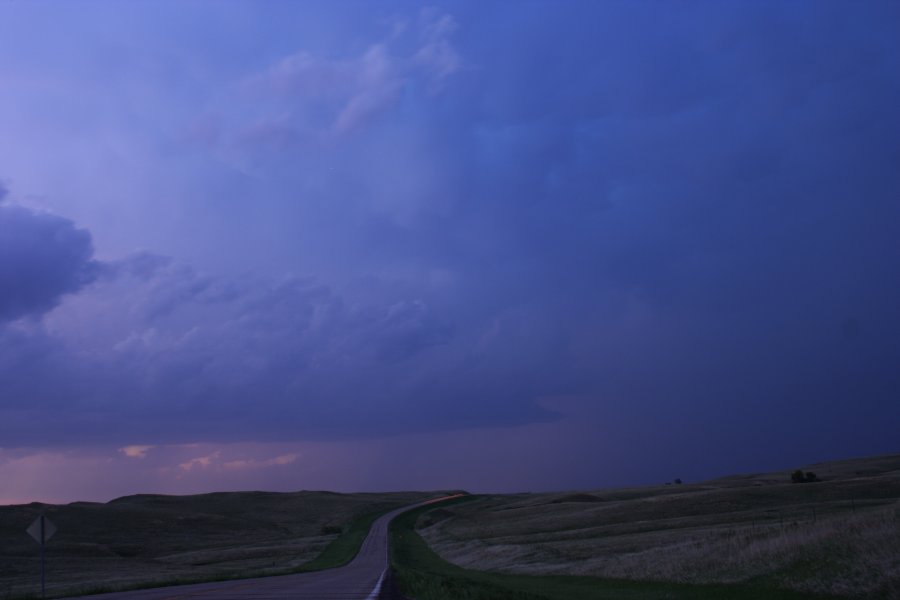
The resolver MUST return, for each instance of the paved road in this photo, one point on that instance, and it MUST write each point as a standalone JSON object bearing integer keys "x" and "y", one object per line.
{"x": 361, "y": 579}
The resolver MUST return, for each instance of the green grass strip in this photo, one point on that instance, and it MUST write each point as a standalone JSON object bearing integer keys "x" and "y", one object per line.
{"x": 346, "y": 546}
{"x": 424, "y": 575}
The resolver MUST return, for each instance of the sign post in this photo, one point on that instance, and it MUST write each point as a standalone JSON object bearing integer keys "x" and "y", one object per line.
{"x": 42, "y": 530}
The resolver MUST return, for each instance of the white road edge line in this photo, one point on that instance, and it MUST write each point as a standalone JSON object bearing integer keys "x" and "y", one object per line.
{"x": 377, "y": 590}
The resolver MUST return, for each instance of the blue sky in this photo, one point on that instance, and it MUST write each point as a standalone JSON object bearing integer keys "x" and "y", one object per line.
{"x": 499, "y": 246}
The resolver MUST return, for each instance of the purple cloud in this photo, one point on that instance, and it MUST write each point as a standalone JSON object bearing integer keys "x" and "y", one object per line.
{"x": 42, "y": 258}
{"x": 167, "y": 354}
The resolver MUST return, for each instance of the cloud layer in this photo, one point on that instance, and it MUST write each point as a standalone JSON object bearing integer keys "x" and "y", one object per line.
{"x": 326, "y": 224}
{"x": 157, "y": 352}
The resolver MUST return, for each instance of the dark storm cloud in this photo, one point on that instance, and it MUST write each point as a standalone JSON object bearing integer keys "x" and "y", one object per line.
{"x": 42, "y": 258}
{"x": 686, "y": 214}
{"x": 689, "y": 215}
{"x": 406, "y": 328}
{"x": 744, "y": 224}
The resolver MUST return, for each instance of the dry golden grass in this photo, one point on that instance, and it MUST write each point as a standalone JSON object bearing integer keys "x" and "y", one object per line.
{"x": 840, "y": 536}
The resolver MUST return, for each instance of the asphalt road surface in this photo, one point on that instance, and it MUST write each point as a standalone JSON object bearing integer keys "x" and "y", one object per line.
{"x": 361, "y": 579}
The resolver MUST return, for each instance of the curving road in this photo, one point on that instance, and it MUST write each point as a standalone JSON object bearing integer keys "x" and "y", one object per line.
{"x": 360, "y": 579}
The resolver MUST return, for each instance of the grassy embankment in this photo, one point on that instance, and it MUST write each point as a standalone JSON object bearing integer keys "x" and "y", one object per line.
{"x": 342, "y": 550}
{"x": 838, "y": 537}
{"x": 149, "y": 541}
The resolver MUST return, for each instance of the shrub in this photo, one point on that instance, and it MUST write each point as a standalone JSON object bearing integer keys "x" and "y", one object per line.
{"x": 799, "y": 476}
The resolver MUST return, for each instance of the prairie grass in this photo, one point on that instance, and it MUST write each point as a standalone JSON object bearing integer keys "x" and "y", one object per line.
{"x": 839, "y": 537}
{"x": 424, "y": 575}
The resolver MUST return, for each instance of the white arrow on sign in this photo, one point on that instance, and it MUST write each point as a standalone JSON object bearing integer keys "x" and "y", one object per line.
{"x": 42, "y": 525}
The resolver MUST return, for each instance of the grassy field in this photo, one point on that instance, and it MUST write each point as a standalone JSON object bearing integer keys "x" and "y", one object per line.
{"x": 423, "y": 575}
{"x": 742, "y": 537}
{"x": 147, "y": 540}
{"x": 839, "y": 536}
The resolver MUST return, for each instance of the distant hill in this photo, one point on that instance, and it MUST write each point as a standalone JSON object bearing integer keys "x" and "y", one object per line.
{"x": 149, "y": 538}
